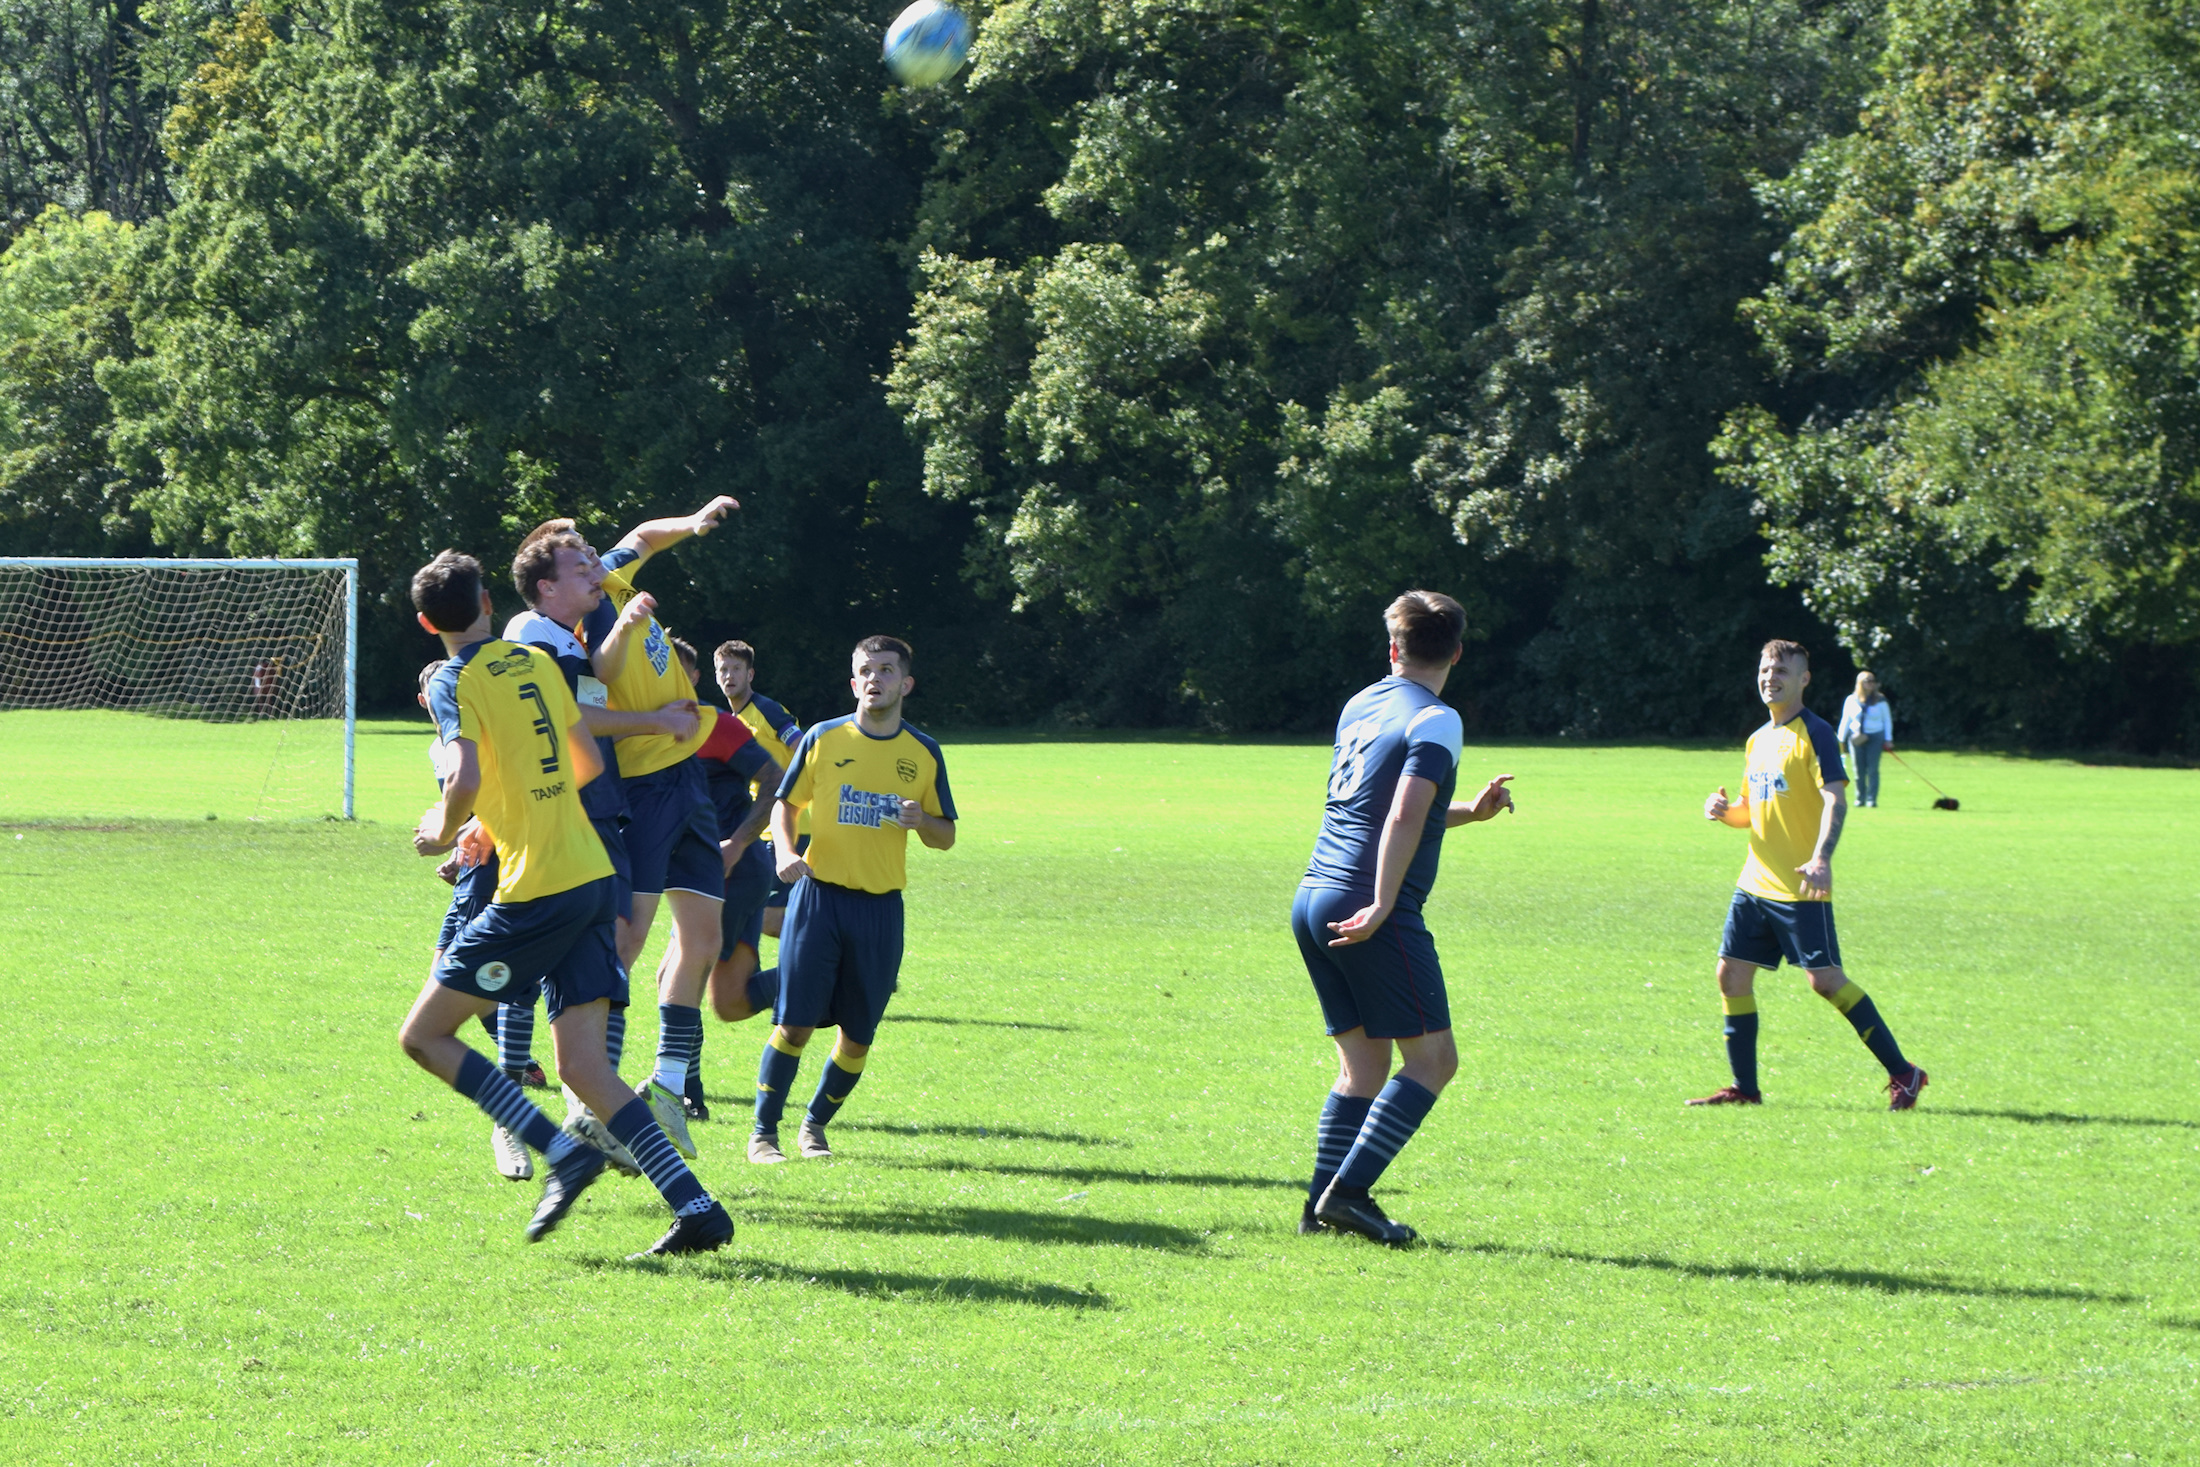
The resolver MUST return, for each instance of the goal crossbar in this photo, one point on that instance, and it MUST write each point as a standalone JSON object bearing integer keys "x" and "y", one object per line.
{"x": 350, "y": 568}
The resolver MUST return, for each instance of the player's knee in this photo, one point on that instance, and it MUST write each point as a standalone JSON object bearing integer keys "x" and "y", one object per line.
{"x": 729, "y": 998}
{"x": 1826, "y": 982}
{"x": 414, "y": 1042}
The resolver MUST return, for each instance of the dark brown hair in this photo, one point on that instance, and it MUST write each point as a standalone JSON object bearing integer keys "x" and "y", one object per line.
{"x": 538, "y": 558}
{"x": 871, "y": 646}
{"x": 1783, "y": 650}
{"x": 447, "y": 591}
{"x": 739, "y": 651}
{"x": 686, "y": 649}
{"x": 1426, "y": 626}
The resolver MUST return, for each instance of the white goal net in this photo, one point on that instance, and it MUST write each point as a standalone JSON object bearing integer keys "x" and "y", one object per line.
{"x": 210, "y": 641}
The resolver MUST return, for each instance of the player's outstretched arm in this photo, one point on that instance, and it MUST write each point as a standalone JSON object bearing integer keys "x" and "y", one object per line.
{"x": 1717, "y": 806}
{"x": 609, "y": 659}
{"x": 1817, "y": 872}
{"x": 680, "y": 720}
{"x": 1484, "y": 806}
{"x": 736, "y": 845}
{"x": 439, "y": 827}
{"x": 1409, "y": 809}
{"x": 651, "y": 536}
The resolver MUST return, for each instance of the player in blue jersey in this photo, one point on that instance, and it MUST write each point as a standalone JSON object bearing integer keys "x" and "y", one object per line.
{"x": 521, "y": 757}
{"x": 1357, "y": 915}
{"x": 868, "y": 780}
{"x": 1793, "y": 805}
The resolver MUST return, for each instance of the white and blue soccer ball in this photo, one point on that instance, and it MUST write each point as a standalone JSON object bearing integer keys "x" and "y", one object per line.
{"x": 927, "y": 43}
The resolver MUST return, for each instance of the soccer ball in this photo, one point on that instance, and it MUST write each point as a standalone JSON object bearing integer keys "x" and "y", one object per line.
{"x": 927, "y": 43}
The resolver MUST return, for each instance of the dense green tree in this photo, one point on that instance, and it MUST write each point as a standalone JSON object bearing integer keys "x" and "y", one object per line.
{"x": 1987, "y": 315}
{"x": 1239, "y": 317}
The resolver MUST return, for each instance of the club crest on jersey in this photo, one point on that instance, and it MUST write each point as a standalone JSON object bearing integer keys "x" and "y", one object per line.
{"x": 868, "y": 808}
{"x": 907, "y": 769}
{"x": 491, "y": 977}
{"x": 659, "y": 650}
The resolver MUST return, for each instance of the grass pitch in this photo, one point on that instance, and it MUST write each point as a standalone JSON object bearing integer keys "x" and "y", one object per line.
{"x": 238, "y": 1225}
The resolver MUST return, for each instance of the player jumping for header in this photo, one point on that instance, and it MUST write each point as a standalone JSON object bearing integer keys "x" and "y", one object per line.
{"x": 1793, "y": 806}
{"x": 521, "y": 755}
{"x": 1357, "y": 916}
{"x": 869, "y": 779}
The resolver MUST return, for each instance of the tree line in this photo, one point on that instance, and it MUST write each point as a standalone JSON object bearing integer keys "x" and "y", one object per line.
{"x": 1129, "y": 374}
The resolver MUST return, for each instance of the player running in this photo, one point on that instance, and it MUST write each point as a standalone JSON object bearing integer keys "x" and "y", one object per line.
{"x": 870, "y": 778}
{"x": 1793, "y": 805}
{"x": 672, "y": 839}
{"x": 1357, "y": 915}
{"x": 522, "y": 756}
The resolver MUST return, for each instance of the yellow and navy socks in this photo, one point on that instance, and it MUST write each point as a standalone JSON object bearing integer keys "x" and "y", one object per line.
{"x": 1339, "y": 1126}
{"x": 774, "y": 1078}
{"x": 637, "y": 1129}
{"x": 1863, "y": 1016}
{"x": 1391, "y": 1121}
{"x": 506, "y": 1104}
{"x": 679, "y": 1039}
{"x": 1741, "y": 1039}
{"x": 841, "y": 1073}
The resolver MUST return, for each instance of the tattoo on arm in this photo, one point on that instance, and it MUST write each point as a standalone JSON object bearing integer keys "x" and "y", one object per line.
{"x": 1840, "y": 815}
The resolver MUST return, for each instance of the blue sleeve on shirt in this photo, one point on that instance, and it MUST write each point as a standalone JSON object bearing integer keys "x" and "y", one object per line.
{"x": 939, "y": 780}
{"x": 1432, "y": 745}
{"x": 596, "y": 626}
{"x": 1827, "y": 747}
{"x": 777, "y": 719}
{"x": 795, "y": 761}
{"x": 749, "y": 760}
{"x": 443, "y": 701}
{"x": 619, "y": 557}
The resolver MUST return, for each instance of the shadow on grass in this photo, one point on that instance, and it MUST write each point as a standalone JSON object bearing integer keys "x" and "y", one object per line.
{"x": 988, "y": 1023}
{"x": 1007, "y": 1224}
{"x": 2178, "y": 1321}
{"x": 982, "y": 1133}
{"x": 2063, "y": 1118}
{"x": 1847, "y": 1278}
{"x": 1090, "y": 1174}
{"x": 866, "y": 1283}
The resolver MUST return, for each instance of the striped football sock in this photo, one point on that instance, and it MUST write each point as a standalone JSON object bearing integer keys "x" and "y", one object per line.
{"x": 1334, "y": 1133}
{"x": 679, "y": 1036}
{"x": 488, "y": 1087}
{"x": 515, "y": 1036}
{"x": 637, "y": 1128}
{"x": 1391, "y": 1121}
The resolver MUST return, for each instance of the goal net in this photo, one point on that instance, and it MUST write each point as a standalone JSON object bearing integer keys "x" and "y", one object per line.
{"x": 257, "y": 654}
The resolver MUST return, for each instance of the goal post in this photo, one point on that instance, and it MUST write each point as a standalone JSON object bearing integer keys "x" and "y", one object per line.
{"x": 220, "y": 641}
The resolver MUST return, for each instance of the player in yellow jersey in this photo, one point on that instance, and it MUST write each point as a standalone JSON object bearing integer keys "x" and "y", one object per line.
{"x": 519, "y": 755}
{"x": 777, "y": 731}
{"x": 672, "y": 834}
{"x": 1793, "y": 805}
{"x": 868, "y": 780}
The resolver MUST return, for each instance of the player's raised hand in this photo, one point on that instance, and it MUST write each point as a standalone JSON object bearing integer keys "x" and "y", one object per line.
{"x": 681, "y": 718}
{"x": 706, "y": 519}
{"x": 1817, "y": 874}
{"x": 637, "y": 611}
{"x": 1358, "y": 927}
{"x": 1494, "y": 797}
{"x": 1716, "y": 805}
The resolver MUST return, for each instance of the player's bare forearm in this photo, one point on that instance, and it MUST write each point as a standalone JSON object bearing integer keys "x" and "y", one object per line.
{"x": 609, "y": 660}
{"x": 1493, "y": 798}
{"x": 791, "y": 867}
{"x": 651, "y": 536}
{"x": 936, "y": 832}
{"x": 582, "y": 750}
{"x": 1402, "y": 829}
{"x": 752, "y": 824}
{"x": 1830, "y": 820}
{"x": 619, "y": 723}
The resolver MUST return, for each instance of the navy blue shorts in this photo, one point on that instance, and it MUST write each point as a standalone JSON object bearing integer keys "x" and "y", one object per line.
{"x": 672, "y": 839}
{"x": 780, "y": 889}
{"x": 839, "y": 958}
{"x": 1762, "y": 931}
{"x": 475, "y": 888}
{"x": 562, "y": 946}
{"x": 612, "y": 830}
{"x": 1390, "y": 985}
{"x": 742, "y": 919}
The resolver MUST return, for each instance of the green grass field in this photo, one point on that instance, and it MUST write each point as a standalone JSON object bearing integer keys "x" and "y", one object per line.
{"x": 238, "y": 1226}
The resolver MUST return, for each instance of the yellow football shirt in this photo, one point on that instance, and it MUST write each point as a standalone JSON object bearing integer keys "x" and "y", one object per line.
{"x": 772, "y": 725}
{"x": 513, "y": 703}
{"x": 651, "y": 679}
{"x": 853, "y": 784}
{"x": 1787, "y": 766}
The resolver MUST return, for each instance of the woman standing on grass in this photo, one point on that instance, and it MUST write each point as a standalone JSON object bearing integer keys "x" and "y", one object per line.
{"x": 1867, "y": 727}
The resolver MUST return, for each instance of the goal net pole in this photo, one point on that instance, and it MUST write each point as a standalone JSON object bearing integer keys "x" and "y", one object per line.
{"x": 350, "y": 568}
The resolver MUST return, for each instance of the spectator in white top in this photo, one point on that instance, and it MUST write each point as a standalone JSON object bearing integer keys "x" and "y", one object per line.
{"x": 1867, "y": 727}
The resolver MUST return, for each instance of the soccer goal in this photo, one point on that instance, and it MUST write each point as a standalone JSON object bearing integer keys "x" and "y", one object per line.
{"x": 266, "y": 649}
